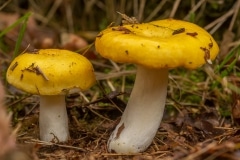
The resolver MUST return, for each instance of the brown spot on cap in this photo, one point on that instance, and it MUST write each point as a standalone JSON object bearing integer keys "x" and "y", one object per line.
{"x": 193, "y": 34}
{"x": 121, "y": 28}
{"x": 210, "y": 45}
{"x": 206, "y": 55}
{"x": 14, "y": 66}
{"x": 177, "y": 31}
{"x": 21, "y": 76}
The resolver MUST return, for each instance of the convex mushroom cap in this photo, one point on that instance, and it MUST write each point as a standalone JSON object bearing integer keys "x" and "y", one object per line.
{"x": 165, "y": 43}
{"x": 155, "y": 48}
{"x": 50, "y": 72}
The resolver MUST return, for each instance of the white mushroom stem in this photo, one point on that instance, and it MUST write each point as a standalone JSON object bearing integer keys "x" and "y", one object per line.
{"x": 143, "y": 114}
{"x": 53, "y": 119}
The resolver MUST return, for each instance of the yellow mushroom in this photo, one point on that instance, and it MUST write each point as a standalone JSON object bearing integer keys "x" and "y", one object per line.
{"x": 155, "y": 47}
{"x": 51, "y": 73}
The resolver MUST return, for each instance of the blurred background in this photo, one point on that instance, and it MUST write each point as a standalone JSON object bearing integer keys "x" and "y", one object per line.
{"x": 203, "y": 107}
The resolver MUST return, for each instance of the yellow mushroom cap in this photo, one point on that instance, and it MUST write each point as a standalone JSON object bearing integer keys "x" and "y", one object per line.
{"x": 165, "y": 43}
{"x": 50, "y": 72}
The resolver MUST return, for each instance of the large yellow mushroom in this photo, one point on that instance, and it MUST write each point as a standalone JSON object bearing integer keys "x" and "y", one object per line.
{"x": 51, "y": 73}
{"x": 155, "y": 48}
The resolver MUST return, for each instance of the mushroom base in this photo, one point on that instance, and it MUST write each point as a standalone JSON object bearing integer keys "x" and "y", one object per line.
{"x": 143, "y": 114}
{"x": 53, "y": 119}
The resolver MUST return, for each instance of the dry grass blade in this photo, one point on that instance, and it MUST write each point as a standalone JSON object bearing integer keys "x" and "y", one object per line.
{"x": 155, "y": 11}
{"x": 5, "y": 4}
{"x": 127, "y": 19}
{"x": 174, "y": 9}
{"x": 201, "y": 151}
{"x": 35, "y": 141}
{"x": 53, "y": 10}
{"x": 104, "y": 76}
{"x": 194, "y": 9}
{"x": 237, "y": 6}
{"x": 219, "y": 20}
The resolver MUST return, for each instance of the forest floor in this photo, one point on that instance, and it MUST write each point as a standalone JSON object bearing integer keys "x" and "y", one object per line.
{"x": 201, "y": 119}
